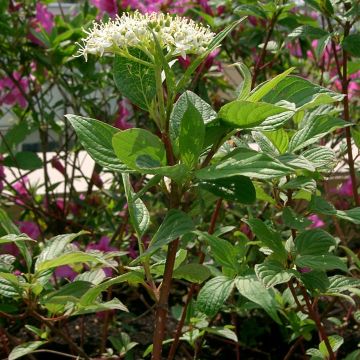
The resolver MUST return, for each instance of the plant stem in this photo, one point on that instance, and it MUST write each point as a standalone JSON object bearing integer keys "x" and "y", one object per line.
{"x": 263, "y": 52}
{"x": 193, "y": 287}
{"x": 346, "y": 115}
{"x": 315, "y": 317}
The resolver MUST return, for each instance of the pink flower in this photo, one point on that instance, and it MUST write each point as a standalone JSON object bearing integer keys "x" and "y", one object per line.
{"x": 144, "y": 6}
{"x": 13, "y": 89}
{"x": 124, "y": 114}
{"x": 345, "y": 189}
{"x": 2, "y": 174}
{"x": 29, "y": 228}
{"x": 66, "y": 272}
{"x": 57, "y": 164}
{"x": 21, "y": 191}
{"x": 295, "y": 49}
{"x": 106, "y": 6}
{"x": 44, "y": 19}
{"x": 316, "y": 222}
{"x": 104, "y": 246}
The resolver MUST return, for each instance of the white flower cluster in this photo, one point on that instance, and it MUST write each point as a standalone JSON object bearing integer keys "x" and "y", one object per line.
{"x": 178, "y": 35}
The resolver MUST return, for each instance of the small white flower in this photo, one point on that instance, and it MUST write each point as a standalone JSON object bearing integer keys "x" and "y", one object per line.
{"x": 178, "y": 35}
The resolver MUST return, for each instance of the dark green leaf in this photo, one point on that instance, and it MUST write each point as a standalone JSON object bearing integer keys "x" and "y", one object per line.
{"x": 269, "y": 238}
{"x": 320, "y": 262}
{"x": 96, "y": 137}
{"x": 294, "y": 221}
{"x": 24, "y": 160}
{"x": 235, "y": 188}
{"x": 251, "y": 288}
{"x": 314, "y": 242}
{"x": 195, "y": 273}
{"x": 244, "y": 114}
{"x": 25, "y": 349}
{"x": 136, "y": 81}
{"x": 190, "y": 146}
{"x": 351, "y": 44}
{"x": 245, "y": 162}
{"x": 272, "y": 273}
{"x": 213, "y": 295}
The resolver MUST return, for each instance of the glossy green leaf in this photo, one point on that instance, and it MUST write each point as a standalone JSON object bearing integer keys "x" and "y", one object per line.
{"x": 181, "y": 108}
{"x": 234, "y": 188}
{"x": 351, "y": 44}
{"x": 245, "y": 162}
{"x": 243, "y": 114}
{"x": 302, "y": 93}
{"x": 139, "y": 148}
{"x": 279, "y": 139}
{"x": 55, "y": 247}
{"x": 314, "y": 130}
{"x": 175, "y": 224}
{"x": 135, "y": 81}
{"x": 272, "y": 273}
{"x": 335, "y": 342}
{"x": 213, "y": 295}
{"x": 260, "y": 91}
{"x": 24, "y": 160}
{"x": 139, "y": 214}
{"x": 251, "y": 288}
{"x": 223, "y": 251}
{"x": 245, "y": 88}
{"x": 12, "y": 238}
{"x": 25, "y": 349}
{"x": 114, "y": 304}
{"x": 320, "y": 262}
{"x": 190, "y": 146}
{"x": 294, "y": 221}
{"x": 96, "y": 137}
{"x": 321, "y": 157}
{"x": 309, "y": 31}
{"x": 269, "y": 238}
{"x": 194, "y": 273}
{"x": 314, "y": 242}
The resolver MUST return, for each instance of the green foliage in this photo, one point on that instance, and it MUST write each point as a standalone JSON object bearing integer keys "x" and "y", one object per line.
{"x": 135, "y": 80}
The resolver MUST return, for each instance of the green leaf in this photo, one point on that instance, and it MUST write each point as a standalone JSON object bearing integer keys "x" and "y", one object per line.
{"x": 319, "y": 205}
{"x": 234, "y": 188}
{"x": 223, "y": 251}
{"x": 12, "y": 238}
{"x": 96, "y": 137}
{"x": 15, "y": 135}
{"x": 272, "y": 273}
{"x": 25, "y": 349}
{"x": 335, "y": 342}
{"x": 139, "y": 214}
{"x": 92, "y": 294}
{"x": 251, "y": 288}
{"x": 301, "y": 182}
{"x": 190, "y": 146}
{"x": 302, "y": 93}
{"x": 69, "y": 292}
{"x": 178, "y": 113}
{"x": 314, "y": 130}
{"x": 279, "y": 139}
{"x": 175, "y": 224}
{"x": 245, "y": 88}
{"x": 243, "y": 114}
{"x": 24, "y": 160}
{"x": 9, "y": 286}
{"x": 195, "y": 273}
{"x": 94, "y": 277}
{"x": 55, "y": 247}
{"x": 260, "y": 91}
{"x": 293, "y": 220}
{"x": 139, "y": 148}
{"x": 321, "y": 157}
{"x": 114, "y": 304}
{"x": 353, "y": 356}
{"x": 269, "y": 238}
{"x": 213, "y": 295}
{"x": 6, "y": 223}
{"x": 247, "y": 162}
{"x": 356, "y": 137}
{"x": 136, "y": 81}
{"x": 320, "y": 262}
{"x": 314, "y": 242}
{"x": 340, "y": 283}
{"x": 251, "y": 9}
{"x": 351, "y": 44}
{"x": 308, "y": 31}
{"x": 70, "y": 258}
{"x": 315, "y": 280}
{"x": 297, "y": 162}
